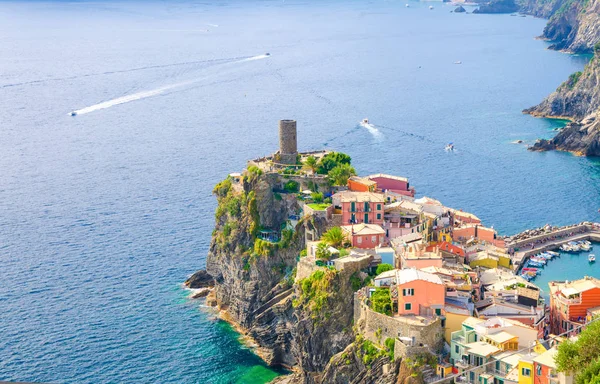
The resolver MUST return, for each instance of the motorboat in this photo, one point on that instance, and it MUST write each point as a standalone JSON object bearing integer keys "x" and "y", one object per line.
{"x": 574, "y": 246}
{"x": 458, "y": 62}
{"x": 267, "y": 54}
{"x": 591, "y": 258}
{"x": 365, "y": 121}
{"x": 431, "y": 7}
{"x": 407, "y": 6}
{"x": 74, "y": 113}
{"x": 449, "y": 147}
{"x": 584, "y": 247}
{"x": 555, "y": 254}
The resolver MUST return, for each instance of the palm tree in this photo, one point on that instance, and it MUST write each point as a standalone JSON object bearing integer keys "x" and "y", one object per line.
{"x": 334, "y": 237}
{"x": 311, "y": 162}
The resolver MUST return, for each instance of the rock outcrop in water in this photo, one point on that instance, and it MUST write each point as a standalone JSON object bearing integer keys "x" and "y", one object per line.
{"x": 582, "y": 139}
{"x": 305, "y": 324}
{"x": 460, "y": 9}
{"x": 200, "y": 279}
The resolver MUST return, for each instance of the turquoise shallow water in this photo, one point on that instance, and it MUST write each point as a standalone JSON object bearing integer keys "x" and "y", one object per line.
{"x": 102, "y": 216}
{"x": 569, "y": 266}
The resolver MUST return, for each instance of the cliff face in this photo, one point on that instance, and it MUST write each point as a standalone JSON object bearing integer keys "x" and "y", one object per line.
{"x": 575, "y": 26}
{"x": 538, "y": 8}
{"x": 579, "y": 138}
{"x": 498, "y": 6}
{"x": 575, "y": 98}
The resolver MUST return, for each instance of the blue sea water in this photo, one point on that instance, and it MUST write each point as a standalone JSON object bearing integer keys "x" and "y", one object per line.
{"x": 103, "y": 215}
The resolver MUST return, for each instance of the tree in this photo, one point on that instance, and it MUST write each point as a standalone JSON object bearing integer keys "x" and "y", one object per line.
{"x": 311, "y": 162}
{"x": 334, "y": 237}
{"x": 317, "y": 197}
{"x": 291, "y": 186}
{"x": 331, "y": 160}
{"x": 322, "y": 252}
{"x": 581, "y": 357}
{"x": 340, "y": 174}
{"x": 381, "y": 301}
{"x": 383, "y": 267}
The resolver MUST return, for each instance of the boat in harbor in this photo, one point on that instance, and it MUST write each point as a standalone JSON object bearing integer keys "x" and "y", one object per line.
{"x": 574, "y": 246}
{"x": 592, "y": 258}
{"x": 365, "y": 121}
{"x": 555, "y": 254}
{"x": 585, "y": 247}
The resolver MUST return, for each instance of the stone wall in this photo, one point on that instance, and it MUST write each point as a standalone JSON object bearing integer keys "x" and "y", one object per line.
{"x": 429, "y": 333}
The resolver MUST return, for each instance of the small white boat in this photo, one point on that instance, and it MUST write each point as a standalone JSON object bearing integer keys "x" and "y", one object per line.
{"x": 365, "y": 121}
{"x": 449, "y": 147}
{"x": 592, "y": 258}
{"x": 74, "y": 113}
{"x": 555, "y": 254}
{"x": 267, "y": 54}
{"x": 407, "y": 6}
{"x": 584, "y": 247}
{"x": 431, "y": 7}
{"x": 458, "y": 62}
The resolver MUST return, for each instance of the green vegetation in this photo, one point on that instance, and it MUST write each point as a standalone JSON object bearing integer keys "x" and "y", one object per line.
{"x": 253, "y": 173}
{"x": 263, "y": 248}
{"x": 389, "y": 345}
{"x": 291, "y": 186}
{"x": 330, "y": 161}
{"x": 573, "y": 79}
{"x": 381, "y": 301}
{"x": 357, "y": 283}
{"x": 597, "y": 48}
{"x": 334, "y": 237}
{"x": 303, "y": 252}
{"x": 311, "y": 162}
{"x": 369, "y": 352}
{"x": 340, "y": 174}
{"x": 322, "y": 251}
{"x": 344, "y": 252}
{"x": 383, "y": 267}
{"x": 317, "y": 197}
{"x": 318, "y": 207}
{"x": 222, "y": 188}
{"x": 581, "y": 357}
{"x": 286, "y": 238}
{"x": 315, "y": 290}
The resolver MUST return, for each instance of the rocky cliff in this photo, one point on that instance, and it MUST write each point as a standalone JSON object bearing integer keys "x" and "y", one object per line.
{"x": 498, "y": 6}
{"x": 573, "y": 25}
{"x": 577, "y": 99}
{"x": 303, "y": 324}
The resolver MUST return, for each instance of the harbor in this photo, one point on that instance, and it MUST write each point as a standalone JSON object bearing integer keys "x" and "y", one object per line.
{"x": 523, "y": 248}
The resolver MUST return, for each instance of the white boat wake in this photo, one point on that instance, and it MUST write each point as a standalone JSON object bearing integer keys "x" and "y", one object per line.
{"x": 151, "y": 93}
{"x": 372, "y": 130}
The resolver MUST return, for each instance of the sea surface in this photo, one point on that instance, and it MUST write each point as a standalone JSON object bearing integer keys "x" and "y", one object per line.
{"x": 103, "y": 215}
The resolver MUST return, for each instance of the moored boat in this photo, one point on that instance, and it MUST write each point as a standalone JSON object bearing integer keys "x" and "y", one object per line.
{"x": 592, "y": 258}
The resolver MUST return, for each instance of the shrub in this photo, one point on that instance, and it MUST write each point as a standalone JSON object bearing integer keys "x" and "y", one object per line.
{"x": 334, "y": 237}
{"x": 340, "y": 174}
{"x": 222, "y": 188}
{"x": 331, "y": 160}
{"x": 315, "y": 290}
{"x": 317, "y": 197}
{"x": 291, "y": 186}
{"x": 381, "y": 301}
{"x": 389, "y": 345}
{"x": 383, "y": 267}
{"x": 322, "y": 252}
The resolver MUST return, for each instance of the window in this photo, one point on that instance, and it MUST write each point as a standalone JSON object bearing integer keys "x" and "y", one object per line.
{"x": 379, "y": 207}
{"x": 353, "y": 207}
{"x": 407, "y": 306}
{"x": 373, "y": 239}
{"x": 359, "y": 239}
{"x": 379, "y": 216}
{"x": 408, "y": 292}
{"x": 438, "y": 311}
{"x": 538, "y": 370}
{"x": 366, "y": 218}
{"x": 367, "y": 206}
{"x": 353, "y": 218}
{"x": 456, "y": 349}
{"x": 497, "y": 365}
{"x": 526, "y": 372}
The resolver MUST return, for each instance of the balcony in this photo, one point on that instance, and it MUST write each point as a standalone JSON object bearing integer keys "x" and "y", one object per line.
{"x": 568, "y": 301}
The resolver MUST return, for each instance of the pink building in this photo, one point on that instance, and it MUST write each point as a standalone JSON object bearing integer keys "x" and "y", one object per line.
{"x": 359, "y": 207}
{"x": 393, "y": 183}
{"x": 365, "y": 236}
{"x": 418, "y": 292}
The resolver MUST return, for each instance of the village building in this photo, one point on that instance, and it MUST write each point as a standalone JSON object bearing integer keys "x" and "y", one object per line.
{"x": 394, "y": 184}
{"x": 359, "y": 207}
{"x": 414, "y": 292}
{"x": 365, "y": 236}
{"x": 570, "y": 302}
{"x": 361, "y": 184}
{"x": 413, "y": 254}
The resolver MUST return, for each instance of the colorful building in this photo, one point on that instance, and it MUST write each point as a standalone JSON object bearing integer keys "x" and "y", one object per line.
{"x": 359, "y": 207}
{"x": 570, "y": 302}
{"x": 361, "y": 184}
{"x": 526, "y": 372}
{"x": 414, "y": 292}
{"x": 395, "y": 184}
{"x": 365, "y": 236}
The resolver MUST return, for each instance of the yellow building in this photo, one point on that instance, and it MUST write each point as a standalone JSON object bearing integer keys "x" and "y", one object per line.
{"x": 503, "y": 340}
{"x": 454, "y": 320}
{"x": 526, "y": 369}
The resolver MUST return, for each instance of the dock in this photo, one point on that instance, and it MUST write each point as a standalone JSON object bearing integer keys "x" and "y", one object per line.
{"x": 550, "y": 241}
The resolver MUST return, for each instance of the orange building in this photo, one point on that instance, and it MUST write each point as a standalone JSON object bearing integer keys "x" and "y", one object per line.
{"x": 360, "y": 184}
{"x": 570, "y": 302}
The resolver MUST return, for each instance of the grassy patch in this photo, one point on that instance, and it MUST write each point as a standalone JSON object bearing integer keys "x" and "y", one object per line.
{"x": 318, "y": 207}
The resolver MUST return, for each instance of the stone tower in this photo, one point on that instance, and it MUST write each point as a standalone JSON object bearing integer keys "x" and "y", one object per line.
{"x": 288, "y": 145}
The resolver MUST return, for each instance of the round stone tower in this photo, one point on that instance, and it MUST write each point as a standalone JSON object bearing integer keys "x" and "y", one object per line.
{"x": 288, "y": 145}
